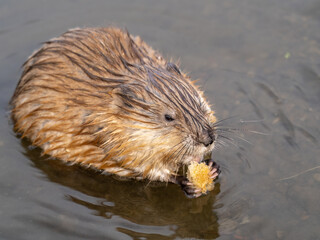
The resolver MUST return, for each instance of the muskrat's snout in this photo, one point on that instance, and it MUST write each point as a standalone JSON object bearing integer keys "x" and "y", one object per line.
{"x": 207, "y": 137}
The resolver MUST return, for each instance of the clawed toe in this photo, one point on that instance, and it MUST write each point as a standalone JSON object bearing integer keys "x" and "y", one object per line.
{"x": 188, "y": 188}
{"x": 191, "y": 191}
{"x": 215, "y": 168}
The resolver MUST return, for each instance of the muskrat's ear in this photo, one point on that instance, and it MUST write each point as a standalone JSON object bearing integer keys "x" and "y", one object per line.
{"x": 128, "y": 92}
{"x": 171, "y": 67}
{"x": 125, "y": 95}
{"x": 130, "y": 96}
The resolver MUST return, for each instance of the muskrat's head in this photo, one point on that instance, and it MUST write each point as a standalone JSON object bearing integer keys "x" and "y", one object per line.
{"x": 163, "y": 120}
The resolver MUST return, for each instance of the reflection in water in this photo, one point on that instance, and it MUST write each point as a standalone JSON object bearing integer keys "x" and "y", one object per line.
{"x": 143, "y": 203}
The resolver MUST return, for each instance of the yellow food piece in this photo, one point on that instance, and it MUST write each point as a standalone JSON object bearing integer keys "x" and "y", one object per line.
{"x": 198, "y": 174}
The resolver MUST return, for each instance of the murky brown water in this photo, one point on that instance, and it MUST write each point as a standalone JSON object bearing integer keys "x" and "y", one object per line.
{"x": 256, "y": 60}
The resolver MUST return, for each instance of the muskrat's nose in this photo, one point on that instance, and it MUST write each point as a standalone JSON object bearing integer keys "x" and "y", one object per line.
{"x": 208, "y": 138}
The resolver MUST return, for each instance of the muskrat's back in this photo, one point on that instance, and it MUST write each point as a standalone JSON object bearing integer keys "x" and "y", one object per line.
{"x": 103, "y": 98}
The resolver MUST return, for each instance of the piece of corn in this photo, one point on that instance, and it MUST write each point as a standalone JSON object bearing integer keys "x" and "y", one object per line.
{"x": 198, "y": 174}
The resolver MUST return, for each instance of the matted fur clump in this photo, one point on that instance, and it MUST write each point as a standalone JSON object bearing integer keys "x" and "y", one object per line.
{"x": 103, "y": 98}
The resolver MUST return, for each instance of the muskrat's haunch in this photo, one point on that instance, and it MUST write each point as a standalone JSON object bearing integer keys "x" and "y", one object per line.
{"x": 103, "y": 98}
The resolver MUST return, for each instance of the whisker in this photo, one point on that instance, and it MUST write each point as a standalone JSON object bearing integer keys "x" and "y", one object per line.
{"x": 251, "y": 121}
{"x": 223, "y": 120}
{"x": 236, "y": 136}
{"x": 188, "y": 150}
{"x": 243, "y": 139}
{"x": 178, "y": 150}
{"x": 234, "y": 130}
{"x": 261, "y": 133}
{"x": 221, "y": 143}
{"x": 183, "y": 155}
{"x": 229, "y": 139}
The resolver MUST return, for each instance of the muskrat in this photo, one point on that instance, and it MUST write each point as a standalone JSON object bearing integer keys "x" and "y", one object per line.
{"x": 103, "y": 98}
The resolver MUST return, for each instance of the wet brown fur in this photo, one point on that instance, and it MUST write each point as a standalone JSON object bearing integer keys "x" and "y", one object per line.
{"x": 99, "y": 96}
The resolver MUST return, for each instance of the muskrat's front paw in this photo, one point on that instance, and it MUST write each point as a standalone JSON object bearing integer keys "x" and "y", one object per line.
{"x": 190, "y": 190}
{"x": 214, "y": 168}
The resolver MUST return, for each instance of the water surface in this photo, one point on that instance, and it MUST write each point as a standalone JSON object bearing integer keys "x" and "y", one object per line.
{"x": 258, "y": 61}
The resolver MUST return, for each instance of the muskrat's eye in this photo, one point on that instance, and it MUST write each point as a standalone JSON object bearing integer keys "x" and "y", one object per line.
{"x": 168, "y": 117}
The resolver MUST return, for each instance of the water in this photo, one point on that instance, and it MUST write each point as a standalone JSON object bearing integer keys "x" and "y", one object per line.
{"x": 256, "y": 60}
